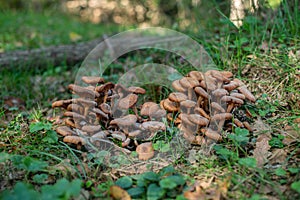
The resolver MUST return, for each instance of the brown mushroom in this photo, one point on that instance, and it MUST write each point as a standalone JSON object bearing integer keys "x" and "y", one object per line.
{"x": 70, "y": 122}
{"x": 187, "y": 105}
{"x": 243, "y": 89}
{"x": 231, "y": 86}
{"x": 74, "y": 140}
{"x": 201, "y": 92}
{"x": 170, "y": 106}
{"x": 136, "y": 90}
{"x": 217, "y": 107}
{"x": 178, "y": 87}
{"x": 145, "y": 151}
{"x": 221, "y": 116}
{"x": 75, "y": 108}
{"x": 220, "y": 92}
{"x": 149, "y": 108}
{"x": 105, "y": 108}
{"x": 83, "y": 92}
{"x": 64, "y": 131}
{"x": 238, "y": 95}
{"x": 196, "y": 75}
{"x": 128, "y": 102}
{"x": 62, "y": 103}
{"x": 214, "y": 135}
{"x": 124, "y": 122}
{"x": 209, "y": 83}
{"x": 177, "y": 97}
{"x": 198, "y": 120}
{"x": 202, "y": 112}
{"x": 91, "y": 128}
{"x": 93, "y": 80}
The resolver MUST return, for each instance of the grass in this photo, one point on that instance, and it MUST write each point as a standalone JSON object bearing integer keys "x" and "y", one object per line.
{"x": 264, "y": 53}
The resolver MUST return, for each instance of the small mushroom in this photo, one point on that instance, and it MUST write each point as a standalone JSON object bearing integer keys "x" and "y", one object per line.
{"x": 65, "y": 131}
{"x": 91, "y": 128}
{"x": 177, "y": 97}
{"x": 83, "y": 92}
{"x": 75, "y": 108}
{"x": 136, "y": 90}
{"x": 209, "y": 83}
{"x": 201, "y": 92}
{"x": 231, "y": 86}
{"x": 145, "y": 151}
{"x": 202, "y": 112}
{"x": 149, "y": 108}
{"x": 198, "y": 119}
{"x": 93, "y": 80}
{"x": 178, "y": 87}
{"x": 214, "y": 135}
{"x": 74, "y": 140}
{"x": 221, "y": 116}
{"x": 62, "y": 103}
{"x": 75, "y": 116}
{"x": 187, "y": 105}
{"x": 124, "y": 122}
{"x": 105, "y": 108}
{"x": 243, "y": 89}
{"x": 220, "y": 92}
{"x": 70, "y": 122}
{"x": 170, "y": 106}
{"x": 217, "y": 107}
{"x": 238, "y": 95}
{"x": 196, "y": 75}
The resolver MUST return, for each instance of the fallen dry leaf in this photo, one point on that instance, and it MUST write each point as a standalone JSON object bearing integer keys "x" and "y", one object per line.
{"x": 261, "y": 151}
{"x": 278, "y": 156}
{"x": 118, "y": 193}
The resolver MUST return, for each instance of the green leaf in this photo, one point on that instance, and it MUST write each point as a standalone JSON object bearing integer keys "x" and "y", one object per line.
{"x": 293, "y": 170}
{"x": 33, "y": 165}
{"x": 167, "y": 183}
{"x": 40, "y": 178}
{"x": 124, "y": 182}
{"x": 161, "y": 146}
{"x": 51, "y": 137}
{"x": 248, "y": 162}
{"x": 154, "y": 192}
{"x": 224, "y": 153}
{"x": 21, "y": 191}
{"x": 151, "y": 176}
{"x": 280, "y": 172}
{"x": 136, "y": 192}
{"x": 242, "y": 132}
{"x": 38, "y": 126}
{"x": 169, "y": 170}
{"x": 141, "y": 182}
{"x": 296, "y": 186}
{"x": 4, "y": 156}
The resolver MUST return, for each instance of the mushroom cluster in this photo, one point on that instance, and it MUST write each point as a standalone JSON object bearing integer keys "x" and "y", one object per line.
{"x": 203, "y": 105}
{"x": 103, "y": 112}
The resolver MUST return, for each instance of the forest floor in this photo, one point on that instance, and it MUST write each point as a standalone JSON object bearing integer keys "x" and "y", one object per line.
{"x": 36, "y": 164}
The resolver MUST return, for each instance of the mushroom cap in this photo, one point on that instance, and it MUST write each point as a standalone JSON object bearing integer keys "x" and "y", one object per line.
{"x": 70, "y": 122}
{"x": 231, "y": 86}
{"x": 196, "y": 75}
{"x": 93, "y": 80}
{"x": 177, "y": 86}
{"x": 135, "y": 133}
{"x": 100, "y": 112}
{"x": 220, "y": 92}
{"x": 119, "y": 135}
{"x": 149, "y": 108}
{"x": 177, "y": 97}
{"x": 170, "y": 106}
{"x": 105, "y": 108}
{"x": 214, "y": 135}
{"x": 158, "y": 114}
{"x": 188, "y": 104}
{"x": 232, "y": 99}
{"x": 84, "y": 102}
{"x": 136, "y": 90}
{"x": 61, "y": 103}
{"x": 105, "y": 87}
{"x": 185, "y": 120}
{"x": 75, "y": 108}
{"x": 128, "y": 102}
{"x": 198, "y": 119}
{"x": 209, "y": 83}
{"x": 221, "y": 116}
{"x": 145, "y": 151}
{"x": 75, "y": 115}
{"x": 153, "y": 126}
{"x": 238, "y": 95}
{"x": 83, "y": 92}
{"x": 217, "y": 75}
{"x": 65, "y": 130}
{"x": 127, "y": 120}
{"x": 217, "y": 107}
{"x": 201, "y": 92}
{"x": 74, "y": 140}
{"x": 91, "y": 128}
{"x": 189, "y": 82}
{"x": 227, "y": 74}
{"x": 243, "y": 89}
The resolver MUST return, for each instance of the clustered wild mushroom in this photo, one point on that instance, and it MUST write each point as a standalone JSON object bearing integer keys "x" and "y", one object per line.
{"x": 101, "y": 113}
{"x": 203, "y": 104}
